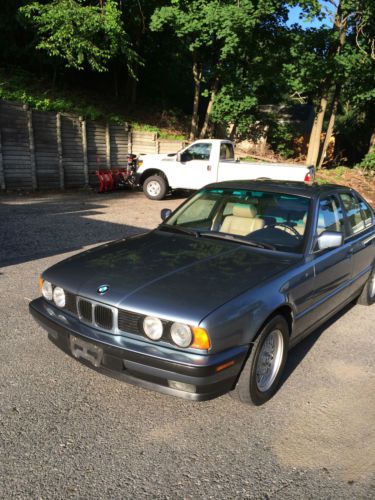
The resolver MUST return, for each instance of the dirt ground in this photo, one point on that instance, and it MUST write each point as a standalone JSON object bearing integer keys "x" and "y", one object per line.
{"x": 364, "y": 184}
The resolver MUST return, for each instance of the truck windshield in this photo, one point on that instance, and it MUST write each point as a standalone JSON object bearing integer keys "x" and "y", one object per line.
{"x": 273, "y": 219}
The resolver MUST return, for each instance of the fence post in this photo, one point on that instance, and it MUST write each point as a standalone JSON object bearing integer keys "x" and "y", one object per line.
{"x": 2, "y": 176}
{"x": 84, "y": 150}
{"x": 107, "y": 145}
{"x": 59, "y": 150}
{"x": 130, "y": 138}
{"x": 29, "y": 115}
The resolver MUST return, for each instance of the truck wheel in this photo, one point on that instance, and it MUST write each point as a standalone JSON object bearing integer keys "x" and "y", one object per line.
{"x": 155, "y": 187}
{"x": 261, "y": 373}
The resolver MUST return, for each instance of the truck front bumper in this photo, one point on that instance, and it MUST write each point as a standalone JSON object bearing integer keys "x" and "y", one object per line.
{"x": 179, "y": 373}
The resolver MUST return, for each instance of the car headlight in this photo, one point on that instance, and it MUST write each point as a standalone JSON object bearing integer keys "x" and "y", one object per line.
{"x": 59, "y": 296}
{"x": 47, "y": 290}
{"x": 153, "y": 327}
{"x": 181, "y": 334}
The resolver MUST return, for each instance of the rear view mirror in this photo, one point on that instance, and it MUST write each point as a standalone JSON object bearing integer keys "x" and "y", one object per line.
{"x": 178, "y": 157}
{"x": 330, "y": 239}
{"x": 165, "y": 213}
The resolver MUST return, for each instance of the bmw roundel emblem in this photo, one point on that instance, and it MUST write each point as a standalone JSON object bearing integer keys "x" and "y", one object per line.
{"x": 102, "y": 289}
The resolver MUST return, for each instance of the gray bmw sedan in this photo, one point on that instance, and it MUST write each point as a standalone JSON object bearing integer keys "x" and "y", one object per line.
{"x": 211, "y": 300}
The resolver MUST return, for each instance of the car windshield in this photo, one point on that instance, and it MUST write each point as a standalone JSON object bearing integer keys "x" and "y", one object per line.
{"x": 259, "y": 218}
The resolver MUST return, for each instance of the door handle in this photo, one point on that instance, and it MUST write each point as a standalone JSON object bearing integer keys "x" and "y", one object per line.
{"x": 209, "y": 167}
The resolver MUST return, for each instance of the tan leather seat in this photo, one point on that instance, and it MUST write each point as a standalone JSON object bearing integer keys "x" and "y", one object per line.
{"x": 301, "y": 227}
{"x": 243, "y": 221}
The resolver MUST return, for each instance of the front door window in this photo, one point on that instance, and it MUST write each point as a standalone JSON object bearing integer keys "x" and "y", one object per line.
{"x": 198, "y": 151}
{"x": 330, "y": 216}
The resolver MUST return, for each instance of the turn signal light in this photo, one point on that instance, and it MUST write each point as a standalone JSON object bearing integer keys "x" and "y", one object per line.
{"x": 201, "y": 340}
{"x": 41, "y": 283}
{"x": 224, "y": 366}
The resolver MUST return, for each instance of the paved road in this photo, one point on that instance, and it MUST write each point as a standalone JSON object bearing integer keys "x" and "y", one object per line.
{"x": 68, "y": 432}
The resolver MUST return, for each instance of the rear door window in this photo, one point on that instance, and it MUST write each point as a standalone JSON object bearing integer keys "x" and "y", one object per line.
{"x": 226, "y": 151}
{"x": 357, "y": 218}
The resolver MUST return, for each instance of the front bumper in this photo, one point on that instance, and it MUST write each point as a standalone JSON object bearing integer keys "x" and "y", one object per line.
{"x": 144, "y": 364}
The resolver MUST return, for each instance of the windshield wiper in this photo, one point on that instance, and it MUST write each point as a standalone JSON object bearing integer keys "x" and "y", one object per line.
{"x": 180, "y": 229}
{"x": 230, "y": 237}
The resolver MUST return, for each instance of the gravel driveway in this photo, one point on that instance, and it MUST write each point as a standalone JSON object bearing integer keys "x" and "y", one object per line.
{"x": 69, "y": 432}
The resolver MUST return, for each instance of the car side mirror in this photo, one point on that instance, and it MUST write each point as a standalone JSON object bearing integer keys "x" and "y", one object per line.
{"x": 178, "y": 157}
{"x": 330, "y": 239}
{"x": 165, "y": 213}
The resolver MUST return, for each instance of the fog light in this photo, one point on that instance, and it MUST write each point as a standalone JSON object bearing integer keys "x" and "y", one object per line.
{"x": 181, "y": 386}
{"x": 153, "y": 327}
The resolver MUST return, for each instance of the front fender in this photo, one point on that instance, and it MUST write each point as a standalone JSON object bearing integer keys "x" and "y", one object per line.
{"x": 238, "y": 321}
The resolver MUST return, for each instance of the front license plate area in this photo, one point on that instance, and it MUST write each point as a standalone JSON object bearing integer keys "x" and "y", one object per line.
{"x": 81, "y": 349}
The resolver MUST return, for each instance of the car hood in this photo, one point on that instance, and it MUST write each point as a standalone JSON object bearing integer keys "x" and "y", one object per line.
{"x": 150, "y": 158}
{"x": 174, "y": 276}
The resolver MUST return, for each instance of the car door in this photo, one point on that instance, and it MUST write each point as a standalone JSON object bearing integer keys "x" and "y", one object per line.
{"x": 361, "y": 237}
{"x": 332, "y": 266}
{"x": 195, "y": 169}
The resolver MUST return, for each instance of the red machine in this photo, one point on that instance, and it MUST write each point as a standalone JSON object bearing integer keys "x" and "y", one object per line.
{"x": 110, "y": 179}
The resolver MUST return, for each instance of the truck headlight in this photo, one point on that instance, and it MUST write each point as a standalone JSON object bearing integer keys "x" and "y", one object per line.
{"x": 59, "y": 296}
{"x": 47, "y": 290}
{"x": 181, "y": 334}
{"x": 153, "y": 327}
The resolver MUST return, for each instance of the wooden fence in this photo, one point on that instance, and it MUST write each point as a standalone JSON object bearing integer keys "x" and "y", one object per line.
{"x": 44, "y": 150}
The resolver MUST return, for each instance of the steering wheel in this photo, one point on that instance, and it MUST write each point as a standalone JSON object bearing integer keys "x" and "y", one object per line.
{"x": 286, "y": 228}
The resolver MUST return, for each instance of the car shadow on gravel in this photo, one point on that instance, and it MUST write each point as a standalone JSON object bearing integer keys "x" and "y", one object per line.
{"x": 30, "y": 231}
{"x": 297, "y": 354}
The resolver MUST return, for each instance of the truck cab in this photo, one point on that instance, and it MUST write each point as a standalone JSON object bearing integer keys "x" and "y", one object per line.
{"x": 206, "y": 161}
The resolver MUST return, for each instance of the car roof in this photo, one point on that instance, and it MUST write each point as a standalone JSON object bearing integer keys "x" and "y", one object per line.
{"x": 287, "y": 187}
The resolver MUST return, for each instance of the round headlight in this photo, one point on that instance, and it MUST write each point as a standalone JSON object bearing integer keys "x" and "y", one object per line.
{"x": 153, "y": 327}
{"x": 59, "y": 296}
{"x": 181, "y": 334}
{"x": 47, "y": 291}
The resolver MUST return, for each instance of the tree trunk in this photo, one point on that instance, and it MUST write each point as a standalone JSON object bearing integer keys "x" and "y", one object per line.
{"x": 197, "y": 76}
{"x": 232, "y": 132}
{"x": 340, "y": 27}
{"x": 372, "y": 142}
{"x": 331, "y": 125}
{"x": 115, "y": 83}
{"x": 133, "y": 91}
{"x": 206, "y": 123}
{"x": 314, "y": 142}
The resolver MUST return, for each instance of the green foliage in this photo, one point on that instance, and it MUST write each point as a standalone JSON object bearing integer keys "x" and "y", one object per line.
{"x": 368, "y": 163}
{"x": 233, "y": 106}
{"x": 81, "y": 35}
{"x": 280, "y": 137}
{"x": 21, "y": 87}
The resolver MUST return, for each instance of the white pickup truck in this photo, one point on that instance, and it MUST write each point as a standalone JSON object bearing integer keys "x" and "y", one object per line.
{"x": 205, "y": 161}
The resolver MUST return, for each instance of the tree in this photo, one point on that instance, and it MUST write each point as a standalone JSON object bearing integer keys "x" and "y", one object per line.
{"x": 346, "y": 73}
{"x": 81, "y": 34}
{"x": 214, "y": 33}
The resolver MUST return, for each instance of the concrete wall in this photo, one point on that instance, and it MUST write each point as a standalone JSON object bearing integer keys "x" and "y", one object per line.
{"x": 44, "y": 150}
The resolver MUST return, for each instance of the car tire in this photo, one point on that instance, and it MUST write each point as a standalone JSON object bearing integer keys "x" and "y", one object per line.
{"x": 269, "y": 353}
{"x": 155, "y": 187}
{"x": 367, "y": 296}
